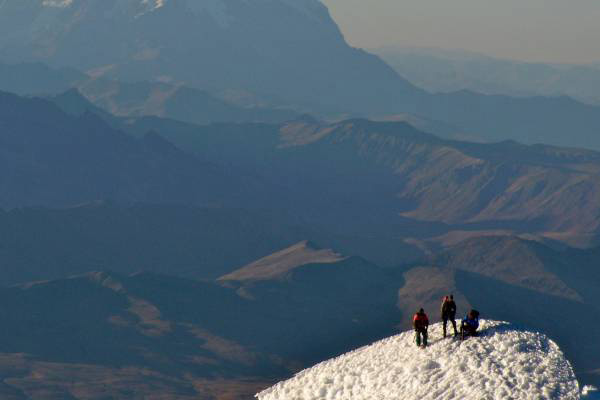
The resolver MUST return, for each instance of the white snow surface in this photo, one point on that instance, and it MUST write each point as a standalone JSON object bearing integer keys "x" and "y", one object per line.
{"x": 502, "y": 363}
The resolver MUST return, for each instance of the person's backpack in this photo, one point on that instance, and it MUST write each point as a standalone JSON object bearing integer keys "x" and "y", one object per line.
{"x": 420, "y": 320}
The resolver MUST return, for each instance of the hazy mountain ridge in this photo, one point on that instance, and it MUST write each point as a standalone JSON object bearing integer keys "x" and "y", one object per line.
{"x": 297, "y": 60}
{"x": 439, "y": 70}
{"x": 540, "y": 190}
{"x": 133, "y": 99}
{"x": 221, "y": 33}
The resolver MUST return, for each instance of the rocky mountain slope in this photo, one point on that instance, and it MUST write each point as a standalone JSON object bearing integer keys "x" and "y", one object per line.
{"x": 410, "y": 180}
{"x": 143, "y": 336}
{"x": 281, "y": 263}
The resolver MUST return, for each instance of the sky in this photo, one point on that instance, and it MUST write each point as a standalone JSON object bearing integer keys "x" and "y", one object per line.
{"x": 556, "y": 31}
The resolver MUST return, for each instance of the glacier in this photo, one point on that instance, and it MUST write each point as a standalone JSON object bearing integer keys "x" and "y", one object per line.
{"x": 504, "y": 362}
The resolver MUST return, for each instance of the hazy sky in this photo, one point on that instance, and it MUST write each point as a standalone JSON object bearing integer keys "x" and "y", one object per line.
{"x": 533, "y": 30}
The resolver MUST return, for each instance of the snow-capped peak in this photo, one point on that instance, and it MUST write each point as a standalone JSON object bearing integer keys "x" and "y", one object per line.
{"x": 154, "y": 4}
{"x": 502, "y": 363}
{"x": 57, "y": 3}
{"x": 217, "y": 9}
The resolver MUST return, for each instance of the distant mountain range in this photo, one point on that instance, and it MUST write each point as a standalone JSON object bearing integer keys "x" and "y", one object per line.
{"x": 356, "y": 177}
{"x": 58, "y": 158}
{"x": 388, "y": 207}
{"x": 403, "y": 176}
{"x": 243, "y": 239}
{"x": 135, "y": 99}
{"x": 297, "y": 60}
{"x": 228, "y": 339}
{"x": 438, "y": 70}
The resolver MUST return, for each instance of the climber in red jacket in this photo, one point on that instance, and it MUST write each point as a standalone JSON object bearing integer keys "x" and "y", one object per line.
{"x": 421, "y": 324}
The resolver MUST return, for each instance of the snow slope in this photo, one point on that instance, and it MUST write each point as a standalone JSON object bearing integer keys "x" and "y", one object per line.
{"x": 503, "y": 363}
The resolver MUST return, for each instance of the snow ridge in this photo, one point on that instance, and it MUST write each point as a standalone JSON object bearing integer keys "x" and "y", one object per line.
{"x": 503, "y": 363}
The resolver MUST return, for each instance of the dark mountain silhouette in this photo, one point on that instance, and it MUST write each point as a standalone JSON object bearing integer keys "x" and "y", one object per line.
{"x": 186, "y": 241}
{"x": 41, "y": 244}
{"x": 53, "y": 158}
{"x": 38, "y": 79}
{"x": 75, "y": 104}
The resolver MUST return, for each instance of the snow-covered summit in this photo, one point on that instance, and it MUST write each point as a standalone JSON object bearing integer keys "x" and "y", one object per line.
{"x": 503, "y": 363}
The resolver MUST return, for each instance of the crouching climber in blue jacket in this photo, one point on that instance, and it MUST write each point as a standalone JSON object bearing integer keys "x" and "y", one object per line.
{"x": 469, "y": 324}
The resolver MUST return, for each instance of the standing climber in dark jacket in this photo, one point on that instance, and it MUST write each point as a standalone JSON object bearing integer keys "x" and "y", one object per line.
{"x": 448, "y": 310}
{"x": 421, "y": 324}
